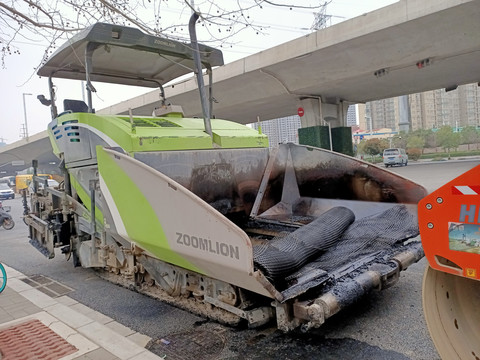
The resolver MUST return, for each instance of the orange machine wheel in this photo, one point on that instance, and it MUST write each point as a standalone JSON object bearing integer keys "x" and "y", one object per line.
{"x": 452, "y": 310}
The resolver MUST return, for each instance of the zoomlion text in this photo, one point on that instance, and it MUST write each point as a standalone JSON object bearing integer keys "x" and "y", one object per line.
{"x": 214, "y": 247}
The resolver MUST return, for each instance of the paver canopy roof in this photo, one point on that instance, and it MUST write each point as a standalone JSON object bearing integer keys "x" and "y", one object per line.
{"x": 125, "y": 55}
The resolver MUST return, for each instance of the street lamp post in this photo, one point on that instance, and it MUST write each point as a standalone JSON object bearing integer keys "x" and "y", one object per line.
{"x": 328, "y": 120}
{"x": 369, "y": 123}
{"x": 25, "y": 115}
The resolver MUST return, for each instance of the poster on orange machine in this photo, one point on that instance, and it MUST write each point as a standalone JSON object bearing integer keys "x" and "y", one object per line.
{"x": 464, "y": 237}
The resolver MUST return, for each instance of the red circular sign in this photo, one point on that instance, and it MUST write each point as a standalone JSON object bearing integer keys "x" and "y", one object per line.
{"x": 300, "y": 111}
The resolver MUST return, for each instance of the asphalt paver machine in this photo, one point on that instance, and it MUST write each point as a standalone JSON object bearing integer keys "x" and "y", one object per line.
{"x": 200, "y": 212}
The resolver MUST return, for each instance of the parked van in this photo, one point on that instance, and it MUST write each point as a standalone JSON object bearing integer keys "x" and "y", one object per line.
{"x": 395, "y": 156}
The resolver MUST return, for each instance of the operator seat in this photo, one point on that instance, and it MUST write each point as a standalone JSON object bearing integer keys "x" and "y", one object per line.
{"x": 75, "y": 106}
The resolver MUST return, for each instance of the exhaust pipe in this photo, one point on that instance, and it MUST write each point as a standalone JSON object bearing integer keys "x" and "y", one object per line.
{"x": 198, "y": 73}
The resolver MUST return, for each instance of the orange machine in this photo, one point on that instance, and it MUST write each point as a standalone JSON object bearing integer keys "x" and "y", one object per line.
{"x": 449, "y": 220}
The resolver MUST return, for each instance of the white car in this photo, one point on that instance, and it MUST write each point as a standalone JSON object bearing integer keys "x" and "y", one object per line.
{"x": 51, "y": 183}
{"x": 6, "y": 192}
{"x": 395, "y": 156}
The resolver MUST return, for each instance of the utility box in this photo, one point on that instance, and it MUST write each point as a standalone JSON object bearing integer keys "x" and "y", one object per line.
{"x": 318, "y": 136}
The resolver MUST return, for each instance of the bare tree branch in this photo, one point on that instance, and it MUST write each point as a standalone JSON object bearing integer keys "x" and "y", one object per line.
{"x": 53, "y": 19}
{"x": 291, "y": 6}
{"x": 32, "y": 21}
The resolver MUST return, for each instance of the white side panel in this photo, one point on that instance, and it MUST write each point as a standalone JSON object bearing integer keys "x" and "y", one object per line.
{"x": 193, "y": 228}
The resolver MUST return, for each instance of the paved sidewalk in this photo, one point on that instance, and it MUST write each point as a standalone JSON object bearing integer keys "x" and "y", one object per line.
{"x": 36, "y": 326}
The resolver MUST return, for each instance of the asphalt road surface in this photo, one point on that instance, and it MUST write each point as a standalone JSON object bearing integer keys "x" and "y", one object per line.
{"x": 384, "y": 325}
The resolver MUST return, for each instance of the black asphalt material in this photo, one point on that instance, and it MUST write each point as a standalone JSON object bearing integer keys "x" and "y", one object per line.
{"x": 280, "y": 257}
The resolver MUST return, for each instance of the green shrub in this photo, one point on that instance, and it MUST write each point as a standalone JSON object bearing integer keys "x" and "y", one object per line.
{"x": 414, "y": 154}
{"x": 444, "y": 155}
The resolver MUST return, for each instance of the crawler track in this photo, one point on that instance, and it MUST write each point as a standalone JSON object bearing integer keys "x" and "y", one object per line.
{"x": 191, "y": 304}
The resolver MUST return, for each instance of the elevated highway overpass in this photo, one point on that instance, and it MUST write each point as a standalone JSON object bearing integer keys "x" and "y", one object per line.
{"x": 19, "y": 155}
{"x": 410, "y": 46}
{"x": 370, "y": 57}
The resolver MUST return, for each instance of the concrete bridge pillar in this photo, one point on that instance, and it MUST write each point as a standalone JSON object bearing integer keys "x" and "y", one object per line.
{"x": 324, "y": 125}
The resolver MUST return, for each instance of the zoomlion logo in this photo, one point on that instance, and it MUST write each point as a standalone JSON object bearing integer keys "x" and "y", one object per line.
{"x": 207, "y": 245}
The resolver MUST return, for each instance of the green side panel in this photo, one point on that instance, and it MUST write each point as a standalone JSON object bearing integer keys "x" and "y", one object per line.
{"x": 169, "y": 133}
{"x": 140, "y": 221}
{"x": 147, "y": 139}
{"x": 342, "y": 140}
{"x": 239, "y": 139}
{"x": 86, "y": 200}
{"x": 119, "y": 131}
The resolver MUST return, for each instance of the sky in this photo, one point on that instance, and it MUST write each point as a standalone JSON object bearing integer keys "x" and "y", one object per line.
{"x": 18, "y": 80}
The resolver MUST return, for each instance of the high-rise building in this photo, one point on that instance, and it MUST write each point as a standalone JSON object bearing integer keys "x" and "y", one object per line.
{"x": 352, "y": 115}
{"x": 383, "y": 113}
{"x": 281, "y": 130}
{"x": 362, "y": 117}
{"x": 431, "y": 109}
{"x": 469, "y": 104}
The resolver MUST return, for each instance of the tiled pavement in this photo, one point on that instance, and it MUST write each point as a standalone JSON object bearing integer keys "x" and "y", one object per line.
{"x": 30, "y": 319}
